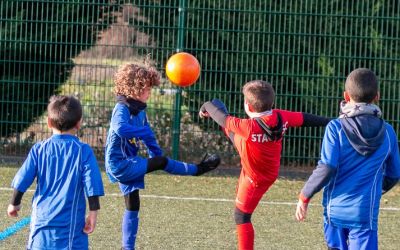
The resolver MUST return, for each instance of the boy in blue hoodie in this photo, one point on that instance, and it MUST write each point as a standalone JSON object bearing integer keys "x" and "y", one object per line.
{"x": 129, "y": 129}
{"x": 359, "y": 162}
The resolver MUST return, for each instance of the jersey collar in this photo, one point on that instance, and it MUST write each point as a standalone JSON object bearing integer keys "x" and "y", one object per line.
{"x": 255, "y": 114}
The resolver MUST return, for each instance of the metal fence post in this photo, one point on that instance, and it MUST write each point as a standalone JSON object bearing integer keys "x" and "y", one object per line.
{"x": 178, "y": 96}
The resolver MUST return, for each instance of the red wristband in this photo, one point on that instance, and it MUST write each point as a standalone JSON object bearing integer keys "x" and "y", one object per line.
{"x": 303, "y": 198}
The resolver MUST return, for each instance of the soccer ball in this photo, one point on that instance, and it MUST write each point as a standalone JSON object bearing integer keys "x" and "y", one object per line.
{"x": 182, "y": 69}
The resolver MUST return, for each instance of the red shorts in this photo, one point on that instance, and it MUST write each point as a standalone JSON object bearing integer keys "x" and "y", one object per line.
{"x": 249, "y": 193}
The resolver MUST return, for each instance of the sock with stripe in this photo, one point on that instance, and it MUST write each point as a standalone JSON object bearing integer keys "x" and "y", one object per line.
{"x": 180, "y": 168}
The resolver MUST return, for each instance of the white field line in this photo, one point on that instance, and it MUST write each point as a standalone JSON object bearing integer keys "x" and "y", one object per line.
{"x": 164, "y": 197}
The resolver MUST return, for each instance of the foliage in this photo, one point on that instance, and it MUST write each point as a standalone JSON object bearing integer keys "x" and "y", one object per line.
{"x": 304, "y": 48}
{"x": 39, "y": 39}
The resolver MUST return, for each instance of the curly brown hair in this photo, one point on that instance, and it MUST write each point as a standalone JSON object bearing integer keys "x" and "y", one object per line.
{"x": 131, "y": 79}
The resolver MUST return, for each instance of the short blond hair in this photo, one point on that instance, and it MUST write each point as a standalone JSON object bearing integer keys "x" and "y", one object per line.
{"x": 259, "y": 94}
{"x": 131, "y": 79}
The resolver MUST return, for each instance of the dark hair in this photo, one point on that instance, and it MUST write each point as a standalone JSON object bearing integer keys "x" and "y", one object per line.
{"x": 131, "y": 79}
{"x": 362, "y": 85}
{"x": 64, "y": 112}
{"x": 259, "y": 94}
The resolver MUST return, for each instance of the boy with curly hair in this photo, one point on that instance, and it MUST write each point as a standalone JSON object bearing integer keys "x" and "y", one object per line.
{"x": 359, "y": 162}
{"x": 258, "y": 140}
{"x": 129, "y": 125}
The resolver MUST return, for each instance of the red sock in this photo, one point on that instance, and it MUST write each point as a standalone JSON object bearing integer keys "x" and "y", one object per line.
{"x": 245, "y": 233}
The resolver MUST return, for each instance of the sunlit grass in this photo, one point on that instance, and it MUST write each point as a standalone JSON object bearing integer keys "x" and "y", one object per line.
{"x": 197, "y": 213}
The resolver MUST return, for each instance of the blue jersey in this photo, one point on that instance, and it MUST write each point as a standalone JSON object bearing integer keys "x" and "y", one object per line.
{"x": 352, "y": 197}
{"x": 121, "y": 154}
{"x": 65, "y": 170}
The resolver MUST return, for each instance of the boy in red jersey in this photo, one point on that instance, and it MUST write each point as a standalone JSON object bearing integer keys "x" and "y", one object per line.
{"x": 258, "y": 141}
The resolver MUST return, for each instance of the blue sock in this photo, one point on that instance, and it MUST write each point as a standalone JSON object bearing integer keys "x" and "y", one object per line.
{"x": 130, "y": 223}
{"x": 180, "y": 168}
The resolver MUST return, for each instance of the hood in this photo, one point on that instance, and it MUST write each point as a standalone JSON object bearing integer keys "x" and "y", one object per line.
{"x": 365, "y": 132}
{"x": 133, "y": 105}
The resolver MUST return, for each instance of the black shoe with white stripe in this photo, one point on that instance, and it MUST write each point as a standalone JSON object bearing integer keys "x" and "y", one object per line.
{"x": 209, "y": 162}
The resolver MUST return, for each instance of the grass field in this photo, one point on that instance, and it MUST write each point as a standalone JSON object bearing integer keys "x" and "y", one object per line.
{"x": 197, "y": 213}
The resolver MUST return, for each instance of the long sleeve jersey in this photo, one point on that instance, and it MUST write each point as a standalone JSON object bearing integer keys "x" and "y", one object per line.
{"x": 125, "y": 132}
{"x": 258, "y": 140}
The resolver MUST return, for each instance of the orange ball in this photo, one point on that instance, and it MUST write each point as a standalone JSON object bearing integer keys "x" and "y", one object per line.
{"x": 182, "y": 69}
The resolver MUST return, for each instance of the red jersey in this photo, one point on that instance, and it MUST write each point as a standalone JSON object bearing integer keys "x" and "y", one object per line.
{"x": 260, "y": 157}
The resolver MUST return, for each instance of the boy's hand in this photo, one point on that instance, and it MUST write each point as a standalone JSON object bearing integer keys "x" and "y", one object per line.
{"x": 203, "y": 114}
{"x": 90, "y": 224}
{"x": 215, "y": 106}
{"x": 12, "y": 211}
{"x": 301, "y": 210}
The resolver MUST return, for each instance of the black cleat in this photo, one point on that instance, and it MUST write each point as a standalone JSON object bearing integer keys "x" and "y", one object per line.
{"x": 209, "y": 162}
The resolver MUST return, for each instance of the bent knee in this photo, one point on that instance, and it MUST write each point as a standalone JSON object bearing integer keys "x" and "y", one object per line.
{"x": 241, "y": 217}
{"x": 157, "y": 163}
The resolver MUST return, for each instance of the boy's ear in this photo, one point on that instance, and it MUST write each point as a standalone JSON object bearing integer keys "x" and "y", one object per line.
{"x": 49, "y": 123}
{"x": 78, "y": 124}
{"x": 250, "y": 107}
{"x": 377, "y": 97}
{"x": 346, "y": 96}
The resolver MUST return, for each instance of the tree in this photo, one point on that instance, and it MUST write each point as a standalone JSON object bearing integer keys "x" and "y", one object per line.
{"x": 38, "y": 41}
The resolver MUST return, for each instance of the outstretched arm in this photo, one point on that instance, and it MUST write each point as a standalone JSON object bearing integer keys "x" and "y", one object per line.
{"x": 310, "y": 120}
{"x": 302, "y": 119}
{"x": 216, "y": 110}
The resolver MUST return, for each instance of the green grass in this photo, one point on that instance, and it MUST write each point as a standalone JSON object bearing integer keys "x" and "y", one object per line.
{"x": 169, "y": 221}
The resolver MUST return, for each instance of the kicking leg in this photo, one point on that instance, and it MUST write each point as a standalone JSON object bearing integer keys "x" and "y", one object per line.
{"x": 130, "y": 221}
{"x": 170, "y": 166}
{"x": 129, "y": 169}
{"x": 209, "y": 163}
{"x": 156, "y": 163}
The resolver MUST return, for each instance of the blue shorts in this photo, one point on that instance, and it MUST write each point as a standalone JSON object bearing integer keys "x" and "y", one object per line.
{"x": 350, "y": 238}
{"x": 131, "y": 174}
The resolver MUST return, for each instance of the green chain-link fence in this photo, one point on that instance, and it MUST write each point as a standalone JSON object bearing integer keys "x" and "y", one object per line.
{"x": 304, "y": 48}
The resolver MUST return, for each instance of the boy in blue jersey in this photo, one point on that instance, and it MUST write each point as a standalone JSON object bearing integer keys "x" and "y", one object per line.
{"x": 129, "y": 127}
{"x": 66, "y": 171}
{"x": 359, "y": 162}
